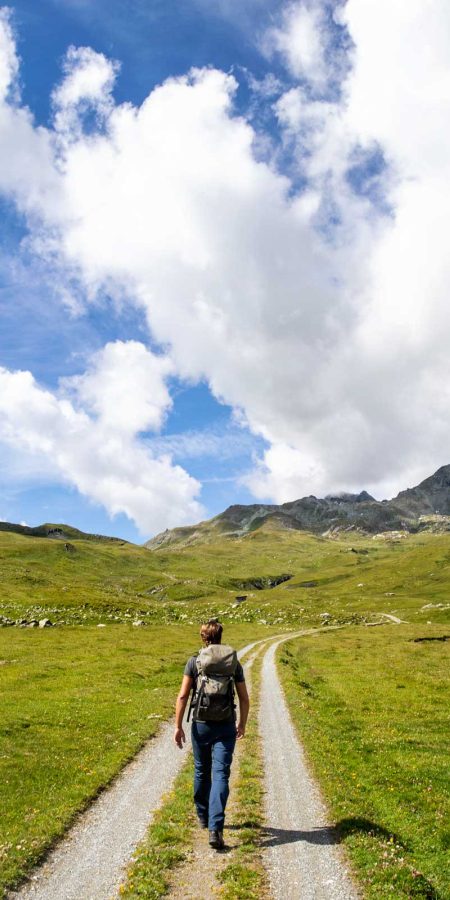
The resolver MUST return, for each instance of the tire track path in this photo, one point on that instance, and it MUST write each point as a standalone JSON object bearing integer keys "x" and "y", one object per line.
{"x": 300, "y": 850}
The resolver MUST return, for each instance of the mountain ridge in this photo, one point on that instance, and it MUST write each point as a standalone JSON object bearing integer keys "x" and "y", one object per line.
{"x": 336, "y": 512}
{"x": 59, "y": 532}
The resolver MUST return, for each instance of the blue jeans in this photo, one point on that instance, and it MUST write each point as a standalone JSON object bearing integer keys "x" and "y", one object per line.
{"x": 213, "y": 745}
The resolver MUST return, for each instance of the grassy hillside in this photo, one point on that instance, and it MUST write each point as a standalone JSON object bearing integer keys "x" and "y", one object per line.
{"x": 351, "y": 578}
{"x": 56, "y": 532}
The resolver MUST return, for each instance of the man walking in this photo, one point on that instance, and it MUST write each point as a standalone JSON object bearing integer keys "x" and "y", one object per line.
{"x": 212, "y": 675}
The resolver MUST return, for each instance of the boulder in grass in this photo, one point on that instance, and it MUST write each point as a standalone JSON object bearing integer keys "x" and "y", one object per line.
{"x": 45, "y": 623}
{"x": 139, "y": 622}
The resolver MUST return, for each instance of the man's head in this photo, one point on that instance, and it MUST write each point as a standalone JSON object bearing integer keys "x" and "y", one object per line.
{"x": 211, "y": 632}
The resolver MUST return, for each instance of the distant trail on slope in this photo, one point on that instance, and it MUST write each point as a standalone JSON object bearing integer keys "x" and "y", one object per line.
{"x": 88, "y": 863}
{"x": 394, "y": 619}
{"x": 301, "y": 855}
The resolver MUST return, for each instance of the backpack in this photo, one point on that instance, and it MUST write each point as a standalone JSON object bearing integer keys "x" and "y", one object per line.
{"x": 213, "y": 696}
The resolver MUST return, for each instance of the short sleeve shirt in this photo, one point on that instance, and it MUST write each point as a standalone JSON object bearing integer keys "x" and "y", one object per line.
{"x": 192, "y": 672}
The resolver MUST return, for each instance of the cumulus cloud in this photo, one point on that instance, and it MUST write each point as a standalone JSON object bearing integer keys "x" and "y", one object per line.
{"x": 321, "y": 312}
{"x": 89, "y": 435}
{"x": 312, "y": 43}
{"x": 125, "y": 386}
{"x": 88, "y": 82}
{"x": 300, "y": 40}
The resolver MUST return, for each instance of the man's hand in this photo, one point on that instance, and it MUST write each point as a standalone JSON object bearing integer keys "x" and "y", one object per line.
{"x": 179, "y": 737}
{"x": 240, "y": 731}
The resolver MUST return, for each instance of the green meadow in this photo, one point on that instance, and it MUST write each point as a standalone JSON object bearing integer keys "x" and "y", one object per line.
{"x": 78, "y": 700}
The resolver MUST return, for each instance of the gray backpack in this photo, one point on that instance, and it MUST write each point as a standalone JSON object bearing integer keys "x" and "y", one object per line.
{"x": 213, "y": 697}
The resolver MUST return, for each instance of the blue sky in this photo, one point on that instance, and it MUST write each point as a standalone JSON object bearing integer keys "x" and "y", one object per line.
{"x": 207, "y": 274}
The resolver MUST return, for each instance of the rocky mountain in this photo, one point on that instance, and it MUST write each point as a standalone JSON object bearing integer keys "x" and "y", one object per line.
{"x": 410, "y": 511}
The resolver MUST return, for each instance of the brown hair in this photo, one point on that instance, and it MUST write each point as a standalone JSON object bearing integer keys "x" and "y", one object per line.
{"x": 211, "y": 632}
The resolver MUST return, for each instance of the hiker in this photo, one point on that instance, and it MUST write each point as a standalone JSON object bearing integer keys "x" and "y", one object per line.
{"x": 211, "y": 675}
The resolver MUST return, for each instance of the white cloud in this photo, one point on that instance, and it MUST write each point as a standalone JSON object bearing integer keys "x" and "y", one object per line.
{"x": 300, "y": 40}
{"x": 9, "y": 62}
{"x": 97, "y": 449}
{"x": 311, "y": 44}
{"x": 283, "y": 474}
{"x": 125, "y": 387}
{"x": 316, "y": 313}
{"x": 88, "y": 81}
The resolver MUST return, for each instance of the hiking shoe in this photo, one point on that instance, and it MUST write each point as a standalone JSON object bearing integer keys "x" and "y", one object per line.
{"x": 203, "y": 823}
{"x": 216, "y": 840}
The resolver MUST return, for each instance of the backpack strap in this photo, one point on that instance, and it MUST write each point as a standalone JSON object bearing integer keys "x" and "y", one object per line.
{"x": 197, "y": 691}
{"x": 232, "y": 695}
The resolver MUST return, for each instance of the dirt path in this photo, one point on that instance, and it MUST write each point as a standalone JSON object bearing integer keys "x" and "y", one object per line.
{"x": 394, "y": 619}
{"x": 87, "y": 864}
{"x": 302, "y": 856}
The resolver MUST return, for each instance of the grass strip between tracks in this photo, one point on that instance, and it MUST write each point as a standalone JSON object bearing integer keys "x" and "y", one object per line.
{"x": 371, "y": 707}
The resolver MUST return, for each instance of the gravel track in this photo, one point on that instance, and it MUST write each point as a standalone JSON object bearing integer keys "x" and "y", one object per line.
{"x": 301, "y": 853}
{"x": 88, "y": 863}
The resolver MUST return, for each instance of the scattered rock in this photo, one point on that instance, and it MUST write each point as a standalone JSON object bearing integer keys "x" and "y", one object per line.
{"x": 139, "y": 622}
{"x": 45, "y": 623}
{"x": 101, "y": 625}
{"x": 69, "y": 547}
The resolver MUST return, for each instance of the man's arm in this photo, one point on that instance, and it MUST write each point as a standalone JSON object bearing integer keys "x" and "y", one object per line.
{"x": 244, "y": 706}
{"x": 182, "y": 699}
